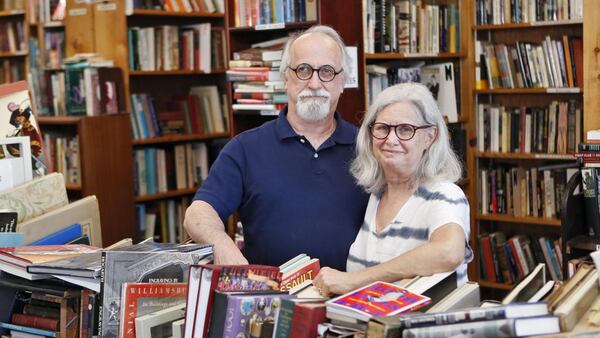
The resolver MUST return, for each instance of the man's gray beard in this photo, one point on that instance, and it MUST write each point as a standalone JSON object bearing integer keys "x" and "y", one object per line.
{"x": 312, "y": 109}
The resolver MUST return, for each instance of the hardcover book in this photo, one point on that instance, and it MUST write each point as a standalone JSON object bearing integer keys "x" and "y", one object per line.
{"x": 159, "y": 323}
{"x": 19, "y": 120}
{"x": 138, "y": 299}
{"x": 118, "y": 267}
{"x": 85, "y": 211}
{"x": 299, "y": 274}
{"x": 36, "y": 197}
{"x": 206, "y": 279}
{"x": 376, "y": 299}
{"x": 235, "y": 312}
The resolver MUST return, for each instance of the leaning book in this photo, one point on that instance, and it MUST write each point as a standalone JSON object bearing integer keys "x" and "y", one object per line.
{"x": 376, "y": 299}
{"x": 118, "y": 267}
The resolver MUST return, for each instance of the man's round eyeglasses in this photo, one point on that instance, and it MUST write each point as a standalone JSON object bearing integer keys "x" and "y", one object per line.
{"x": 404, "y": 131}
{"x": 326, "y": 73}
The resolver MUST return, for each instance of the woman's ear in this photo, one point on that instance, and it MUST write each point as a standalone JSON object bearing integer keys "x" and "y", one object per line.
{"x": 432, "y": 135}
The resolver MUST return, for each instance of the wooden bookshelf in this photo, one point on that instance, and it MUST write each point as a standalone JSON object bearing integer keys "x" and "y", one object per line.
{"x": 166, "y": 195}
{"x": 508, "y": 34}
{"x": 173, "y": 72}
{"x": 161, "y": 13}
{"x": 415, "y": 56}
{"x": 105, "y": 164}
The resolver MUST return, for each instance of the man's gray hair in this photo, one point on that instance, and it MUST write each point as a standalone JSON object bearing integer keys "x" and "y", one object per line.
{"x": 439, "y": 162}
{"x": 321, "y": 29}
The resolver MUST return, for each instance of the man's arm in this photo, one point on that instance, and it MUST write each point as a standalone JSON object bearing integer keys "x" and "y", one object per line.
{"x": 205, "y": 226}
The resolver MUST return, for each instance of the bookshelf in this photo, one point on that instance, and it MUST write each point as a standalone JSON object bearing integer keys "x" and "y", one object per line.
{"x": 104, "y": 166}
{"x": 13, "y": 50}
{"x": 492, "y": 161}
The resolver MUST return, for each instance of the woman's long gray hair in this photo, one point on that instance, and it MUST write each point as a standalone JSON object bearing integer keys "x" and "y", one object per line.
{"x": 439, "y": 162}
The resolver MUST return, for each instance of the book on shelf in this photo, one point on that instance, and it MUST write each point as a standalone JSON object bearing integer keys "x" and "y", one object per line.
{"x": 206, "y": 279}
{"x": 20, "y": 120}
{"x": 396, "y": 325}
{"x": 35, "y": 197}
{"x": 159, "y": 322}
{"x": 171, "y": 264}
{"x": 376, "y": 299}
{"x": 139, "y": 299}
{"x": 85, "y": 212}
{"x": 234, "y": 312}
{"x": 439, "y": 79}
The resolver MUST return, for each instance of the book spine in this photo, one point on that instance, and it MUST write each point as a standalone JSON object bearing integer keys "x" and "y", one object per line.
{"x": 305, "y": 320}
{"x": 35, "y": 321}
{"x": 283, "y": 324}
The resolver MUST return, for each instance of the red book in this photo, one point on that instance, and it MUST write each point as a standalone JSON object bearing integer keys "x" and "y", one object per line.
{"x": 35, "y": 321}
{"x": 306, "y": 318}
{"x": 206, "y": 278}
{"x": 138, "y": 299}
{"x": 578, "y": 60}
{"x": 376, "y": 299}
{"x": 487, "y": 257}
{"x": 23, "y": 256}
{"x": 300, "y": 276}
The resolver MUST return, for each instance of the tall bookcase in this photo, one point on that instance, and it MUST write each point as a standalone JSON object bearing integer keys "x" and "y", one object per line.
{"x": 494, "y": 206}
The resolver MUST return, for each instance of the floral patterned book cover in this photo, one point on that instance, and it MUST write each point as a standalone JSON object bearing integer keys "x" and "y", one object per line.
{"x": 376, "y": 299}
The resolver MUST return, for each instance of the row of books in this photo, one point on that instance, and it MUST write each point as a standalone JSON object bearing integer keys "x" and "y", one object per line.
{"x": 63, "y": 156}
{"x": 12, "y": 70}
{"x": 158, "y": 170}
{"x": 12, "y": 5}
{"x": 249, "y": 13}
{"x": 12, "y": 37}
{"x": 440, "y": 78}
{"x": 406, "y": 26}
{"x": 520, "y": 191}
{"x": 200, "y": 112}
{"x": 553, "y": 129}
{"x": 44, "y": 11}
{"x": 504, "y": 12}
{"x": 162, "y": 221}
{"x": 509, "y": 260}
{"x": 551, "y": 63}
{"x": 196, "y": 47}
{"x": 183, "y": 6}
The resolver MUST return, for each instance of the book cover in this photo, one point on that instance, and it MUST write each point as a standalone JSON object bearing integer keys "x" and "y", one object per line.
{"x": 306, "y": 318}
{"x": 23, "y": 256}
{"x": 234, "y": 313}
{"x": 19, "y": 116}
{"x": 62, "y": 236}
{"x": 118, "y": 267}
{"x": 8, "y": 220}
{"x": 376, "y": 299}
{"x": 300, "y": 276}
{"x": 15, "y": 162}
{"x": 35, "y": 197}
{"x": 211, "y": 278}
{"x": 138, "y": 299}
{"x": 439, "y": 79}
{"x": 159, "y": 323}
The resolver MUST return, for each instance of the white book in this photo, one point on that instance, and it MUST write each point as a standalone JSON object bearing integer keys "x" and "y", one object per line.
{"x": 157, "y": 321}
{"x": 439, "y": 78}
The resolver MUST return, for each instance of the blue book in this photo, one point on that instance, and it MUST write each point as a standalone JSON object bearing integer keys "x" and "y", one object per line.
{"x": 61, "y": 236}
{"x": 27, "y": 329}
{"x": 11, "y": 239}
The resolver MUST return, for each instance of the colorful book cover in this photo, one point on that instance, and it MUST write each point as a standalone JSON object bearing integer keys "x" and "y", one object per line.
{"x": 19, "y": 120}
{"x": 138, "y": 299}
{"x": 298, "y": 278}
{"x": 377, "y": 299}
{"x": 25, "y": 255}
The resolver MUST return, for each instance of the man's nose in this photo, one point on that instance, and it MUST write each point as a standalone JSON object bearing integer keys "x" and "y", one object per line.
{"x": 314, "y": 82}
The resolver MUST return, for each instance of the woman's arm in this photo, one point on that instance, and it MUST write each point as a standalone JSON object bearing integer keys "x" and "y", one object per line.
{"x": 445, "y": 251}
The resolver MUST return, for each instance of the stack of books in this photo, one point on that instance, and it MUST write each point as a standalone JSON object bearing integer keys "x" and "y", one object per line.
{"x": 258, "y": 84}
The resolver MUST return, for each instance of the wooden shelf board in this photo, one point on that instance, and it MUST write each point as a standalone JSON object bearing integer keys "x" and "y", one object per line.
{"x": 54, "y": 24}
{"x": 164, "y": 195}
{"x": 13, "y": 54}
{"x": 286, "y": 26}
{"x": 58, "y": 120}
{"x": 154, "y": 12}
{"x": 493, "y": 285}
{"x": 173, "y": 72}
{"x": 583, "y": 243}
{"x": 178, "y": 138}
{"x": 73, "y": 186}
{"x": 387, "y": 56}
{"x": 554, "y": 222}
{"x": 13, "y": 12}
{"x": 529, "y": 91}
{"x": 526, "y": 156}
{"x": 527, "y": 25}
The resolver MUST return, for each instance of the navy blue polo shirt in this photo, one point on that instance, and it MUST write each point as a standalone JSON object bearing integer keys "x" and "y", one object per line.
{"x": 291, "y": 198}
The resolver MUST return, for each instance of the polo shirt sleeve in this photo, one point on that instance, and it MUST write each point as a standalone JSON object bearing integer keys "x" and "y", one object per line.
{"x": 223, "y": 188}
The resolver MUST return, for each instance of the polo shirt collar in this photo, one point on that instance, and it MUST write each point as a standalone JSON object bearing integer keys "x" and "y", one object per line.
{"x": 343, "y": 134}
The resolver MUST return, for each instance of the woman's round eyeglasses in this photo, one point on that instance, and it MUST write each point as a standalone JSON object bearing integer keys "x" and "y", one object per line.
{"x": 404, "y": 131}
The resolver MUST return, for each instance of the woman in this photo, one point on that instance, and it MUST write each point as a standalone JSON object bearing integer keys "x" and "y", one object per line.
{"x": 417, "y": 219}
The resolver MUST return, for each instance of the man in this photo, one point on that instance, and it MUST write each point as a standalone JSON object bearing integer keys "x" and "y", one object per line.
{"x": 289, "y": 179}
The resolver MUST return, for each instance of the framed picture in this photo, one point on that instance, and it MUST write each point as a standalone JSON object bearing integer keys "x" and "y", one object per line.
{"x": 15, "y": 162}
{"x": 159, "y": 324}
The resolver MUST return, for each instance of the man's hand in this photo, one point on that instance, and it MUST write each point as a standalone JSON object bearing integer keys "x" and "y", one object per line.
{"x": 331, "y": 281}
{"x": 229, "y": 255}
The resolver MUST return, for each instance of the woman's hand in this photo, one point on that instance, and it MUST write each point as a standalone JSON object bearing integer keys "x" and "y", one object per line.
{"x": 331, "y": 281}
